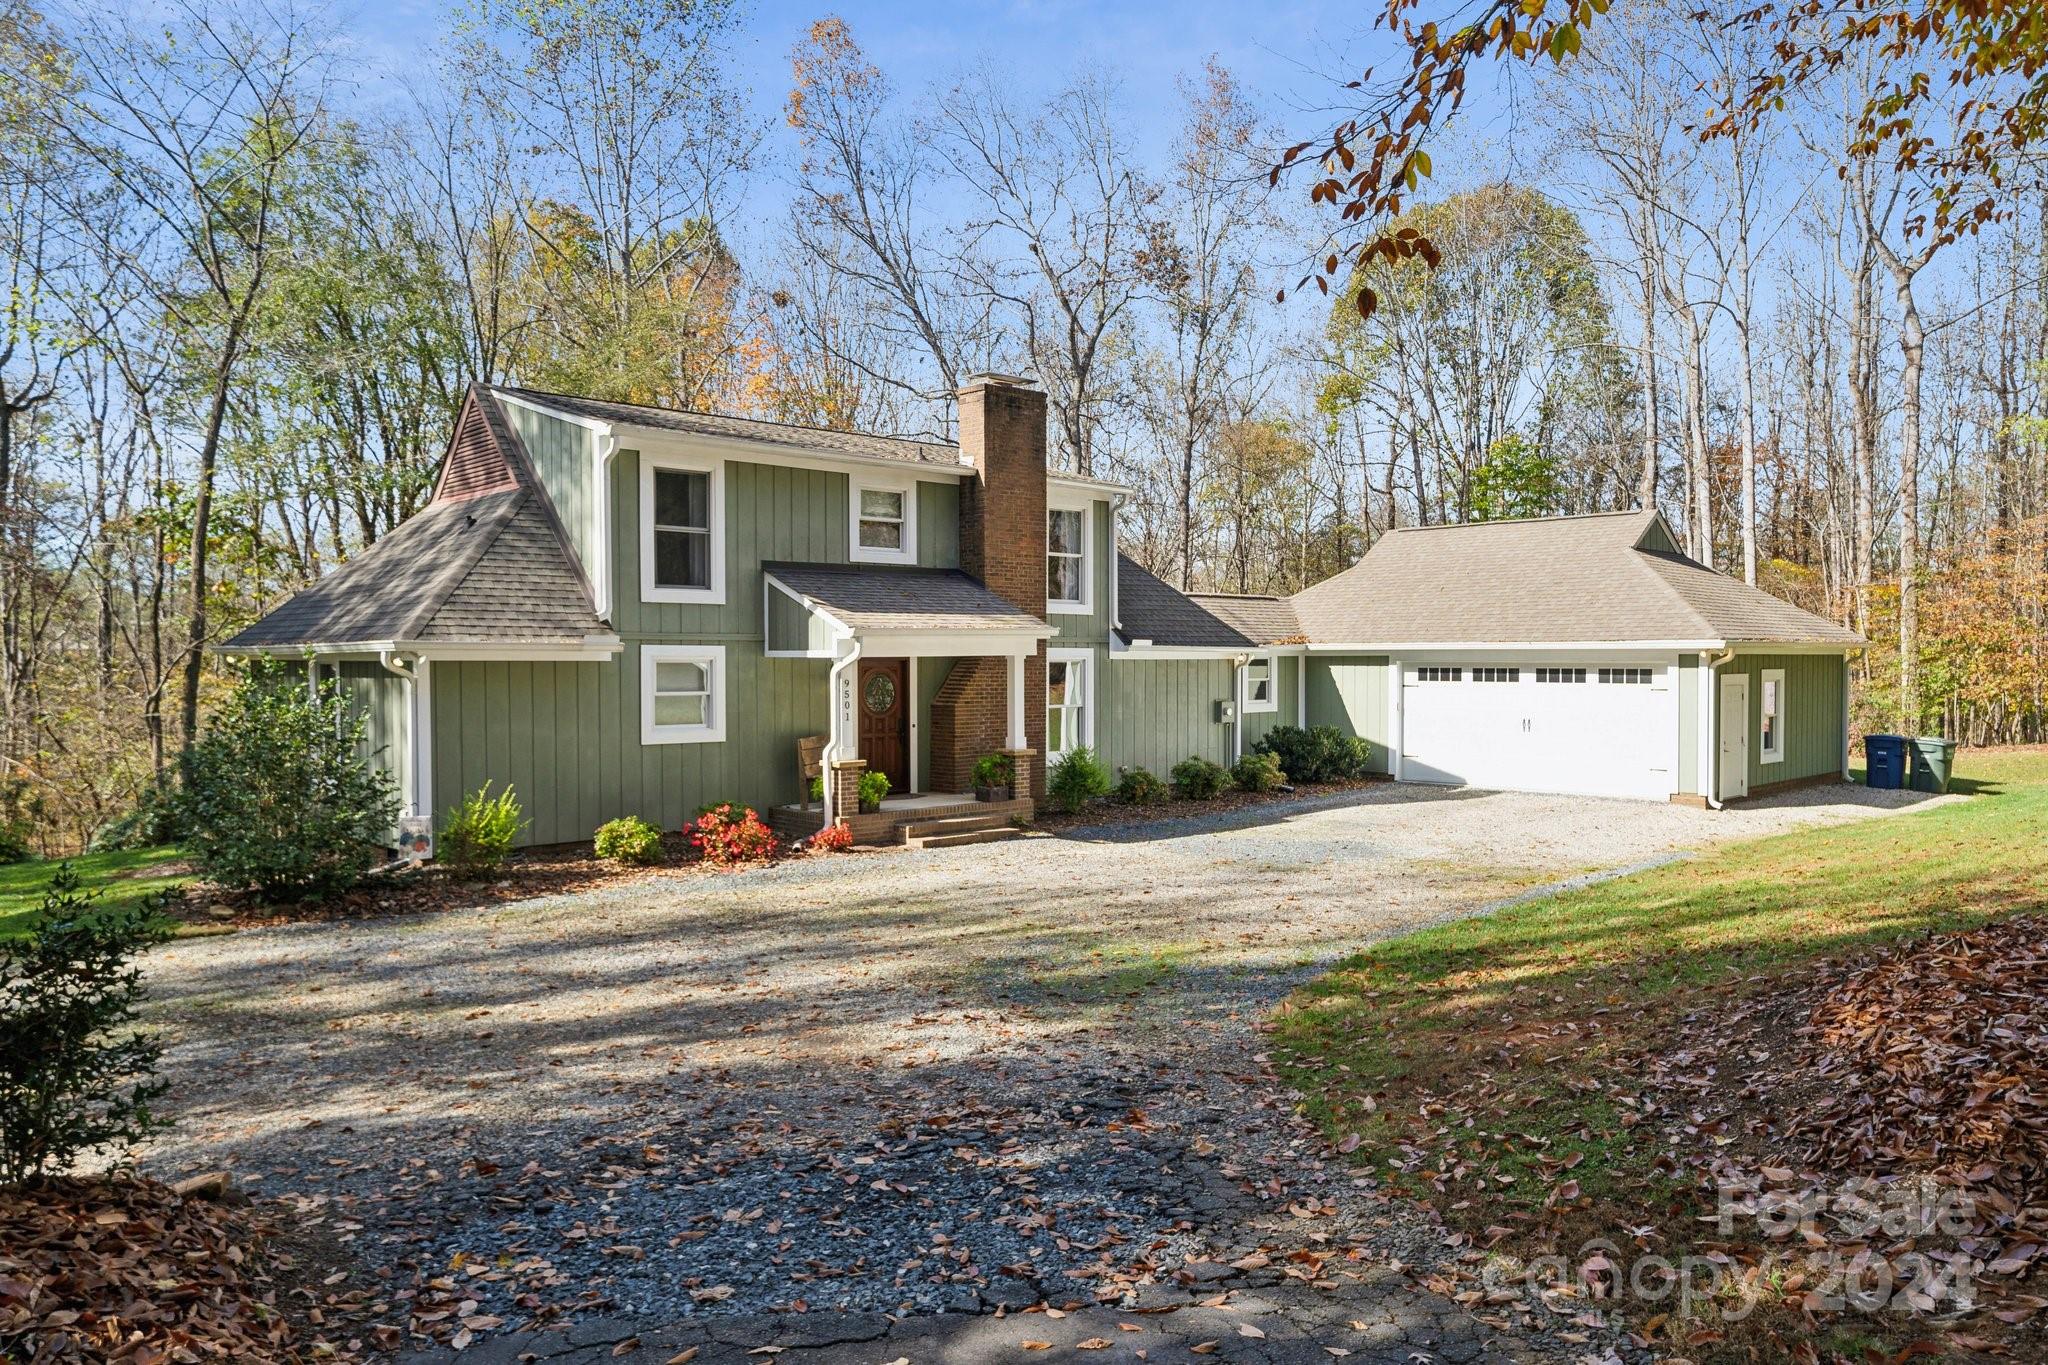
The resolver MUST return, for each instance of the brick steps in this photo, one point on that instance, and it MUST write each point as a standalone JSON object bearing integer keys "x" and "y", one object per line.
{"x": 994, "y": 834}
{"x": 948, "y": 831}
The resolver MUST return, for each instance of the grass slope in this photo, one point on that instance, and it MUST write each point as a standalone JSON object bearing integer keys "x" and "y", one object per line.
{"x": 126, "y": 876}
{"x": 1466, "y": 1059}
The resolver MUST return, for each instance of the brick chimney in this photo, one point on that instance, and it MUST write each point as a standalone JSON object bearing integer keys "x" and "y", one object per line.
{"x": 1002, "y": 543}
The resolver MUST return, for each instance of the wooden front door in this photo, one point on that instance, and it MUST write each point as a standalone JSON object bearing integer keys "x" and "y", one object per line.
{"x": 885, "y": 719}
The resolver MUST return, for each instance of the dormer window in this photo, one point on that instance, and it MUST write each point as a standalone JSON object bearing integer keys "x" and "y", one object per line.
{"x": 884, "y": 529}
{"x": 682, "y": 529}
{"x": 1067, "y": 567}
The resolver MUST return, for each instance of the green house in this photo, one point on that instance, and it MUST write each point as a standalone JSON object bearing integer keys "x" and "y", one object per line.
{"x": 626, "y": 610}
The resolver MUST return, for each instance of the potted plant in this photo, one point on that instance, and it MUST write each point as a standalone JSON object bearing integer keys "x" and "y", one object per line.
{"x": 994, "y": 775}
{"x": 873, "y": 787}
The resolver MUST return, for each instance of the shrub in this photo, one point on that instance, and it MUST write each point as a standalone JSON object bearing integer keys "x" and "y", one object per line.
{"x": 873, "y": 787}
{"x": 836, "y": 837}
{"x": 477, "y": 836}
{"x": 1257, "y": 772}
{"x": 74, "y": 1073}
{"x": 277, "y": 798}
{"x": 994, "y": 770}
{"x": 628, "y": 839}
{"x": 153, "y": 821}
{"x": 14, "y": 844}
{"x": 1077, "y": 777}
{"x": 727, "y": 833}
{"x": 1140, "y": 787}
{"x": 1198, "y": 779}
{"x": 817, "y": 789}
{"x": 1323, "y": 754}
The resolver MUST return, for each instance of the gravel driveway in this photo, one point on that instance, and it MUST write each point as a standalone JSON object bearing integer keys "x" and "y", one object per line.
{"x": 953, "y": 1081}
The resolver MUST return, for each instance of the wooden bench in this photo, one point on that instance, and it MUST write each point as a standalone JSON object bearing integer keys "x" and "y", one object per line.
{"x": 810, "y": 763}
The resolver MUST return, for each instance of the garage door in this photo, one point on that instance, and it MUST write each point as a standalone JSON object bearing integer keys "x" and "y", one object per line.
{"x": 1589, "y": 729}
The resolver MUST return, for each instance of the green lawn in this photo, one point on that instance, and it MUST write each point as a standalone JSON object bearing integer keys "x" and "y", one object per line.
{"x": 1471, "y": 1056}
{"x": 126, "y": 876}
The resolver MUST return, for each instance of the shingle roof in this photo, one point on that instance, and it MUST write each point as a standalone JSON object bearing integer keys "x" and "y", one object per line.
{"x": 489, "y": 567}
{"x": 1149, "y": 609}
{"x": 1267, "y": 620}
{"x": 1557, "y": 579}
{"x": 745, "y": 428}
{"x": 886, "y": 597}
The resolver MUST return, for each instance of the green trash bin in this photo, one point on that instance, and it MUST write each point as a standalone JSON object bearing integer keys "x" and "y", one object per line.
{"x": 1933, "y": 760}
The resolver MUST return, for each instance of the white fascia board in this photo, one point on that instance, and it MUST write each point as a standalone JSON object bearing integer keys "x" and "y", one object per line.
{"x": 1515, "y": 646}
{"x": 589, "y": 649}
{"x": 1141, "y": 650}
{"x": 597, "y": 424}
{"x": 1078, "y": 481}
{"x": 947, "y": 643}
{"x": 1771, "y": 647}
{"x": 659, "y": 439}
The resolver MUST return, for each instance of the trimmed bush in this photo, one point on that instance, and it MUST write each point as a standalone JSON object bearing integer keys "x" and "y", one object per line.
{"x": 276, "y": 796}
{"x": 836, "y": 837}
{"x": 1141, "y": 787}
{"x": 628, "y": 839}
{"x": 1077, "y": 777}
{"x": 1258, "y": 773}
{"x": 75, "y": 1074}
{"x": 477, "y": 837}
{"x": 727, "y": 833}
{"x": 1198, "y": 779}
{"x": 1323, "y": 754}
{"x": 873, "y": 787}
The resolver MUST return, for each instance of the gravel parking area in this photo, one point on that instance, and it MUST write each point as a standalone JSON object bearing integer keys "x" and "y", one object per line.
{"x": 959, "y": 1081}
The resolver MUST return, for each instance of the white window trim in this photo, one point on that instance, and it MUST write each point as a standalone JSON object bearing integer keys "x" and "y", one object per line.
{"x": 1085, "y": 605}
{"x": 712, "y": 657}
{"x": 1085, "y": 658}
{"x": 881, "y": 483}
{"x": 1272, "y": 701}
{"x": 650, "y": 591}
{"x": 1772, "y": 681}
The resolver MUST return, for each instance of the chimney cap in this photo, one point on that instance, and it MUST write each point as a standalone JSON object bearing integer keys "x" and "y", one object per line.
{"x": 989, "y": 379}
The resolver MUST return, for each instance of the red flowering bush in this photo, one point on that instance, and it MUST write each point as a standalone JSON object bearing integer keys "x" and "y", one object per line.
{"x": 727, "y": 834}
{"x": 834, "y": 838}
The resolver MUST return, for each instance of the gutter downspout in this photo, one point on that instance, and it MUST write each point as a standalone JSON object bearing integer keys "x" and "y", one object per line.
{"x": 1710, "y": 724}
{"x": 605, "y": 445}
{"x": 834, "y": 681}
{"x": 1116, "y": 613}
{"x": 1237, "y": 666}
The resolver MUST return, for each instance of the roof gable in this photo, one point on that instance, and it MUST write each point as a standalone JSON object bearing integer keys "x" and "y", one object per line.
{"x": 1605, "y": 578}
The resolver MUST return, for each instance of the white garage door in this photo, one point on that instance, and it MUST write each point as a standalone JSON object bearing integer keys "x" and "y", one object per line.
{"x": 1597, "y": 730}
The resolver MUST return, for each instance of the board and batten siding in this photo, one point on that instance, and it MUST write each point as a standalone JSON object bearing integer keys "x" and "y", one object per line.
{"x": 1814, "y": 723}
{"x": 563, "y": 457}
{"x": 566, "y": 736}
{"x": 1155, "y": 712}
{"x": 1287, "y": 686}
{"x": 1689, "y": 725}
{"x": 1349, "y": 691}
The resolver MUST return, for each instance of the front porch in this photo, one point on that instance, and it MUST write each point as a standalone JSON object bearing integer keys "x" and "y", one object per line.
{"x": 919, "y": 819}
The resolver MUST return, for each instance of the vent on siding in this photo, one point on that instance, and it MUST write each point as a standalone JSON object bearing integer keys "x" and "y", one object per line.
{"x": 475, "y": 464}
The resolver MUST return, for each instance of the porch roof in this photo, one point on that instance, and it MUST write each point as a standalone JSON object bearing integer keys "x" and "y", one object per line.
{"x": 878, "y": 598}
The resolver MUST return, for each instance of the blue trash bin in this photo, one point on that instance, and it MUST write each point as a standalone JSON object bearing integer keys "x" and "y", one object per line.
{"x": 1884, "y": 759}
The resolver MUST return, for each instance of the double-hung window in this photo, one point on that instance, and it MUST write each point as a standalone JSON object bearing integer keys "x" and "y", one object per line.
{"x": 1260, "y": 694}
{"x": 1771, "y": 716}
{"x": 682, "y": 532}
{"x": 1066, "y": 559}
{"x": 682, "y": 694}
{"x": 884, "y": 522}
{"x": 1068, "y": 695}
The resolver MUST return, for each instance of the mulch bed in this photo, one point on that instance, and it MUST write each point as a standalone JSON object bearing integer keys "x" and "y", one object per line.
{"x": 412, "y": 889}
{"x": 1108, "y": 811}
{"x": 119, "y": 1269}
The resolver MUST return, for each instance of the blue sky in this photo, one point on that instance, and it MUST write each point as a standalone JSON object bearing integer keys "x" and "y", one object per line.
{"x": 1291, "y": 51}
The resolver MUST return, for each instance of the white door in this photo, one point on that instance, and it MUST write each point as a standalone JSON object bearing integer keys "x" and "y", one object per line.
{"x": 1733, "y": 727}
{"x": 1545, "y": 728}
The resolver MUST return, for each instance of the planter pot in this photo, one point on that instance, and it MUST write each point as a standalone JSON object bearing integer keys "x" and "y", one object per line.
{"x": 870, "y": 808}
{"x": 992, "y": 793}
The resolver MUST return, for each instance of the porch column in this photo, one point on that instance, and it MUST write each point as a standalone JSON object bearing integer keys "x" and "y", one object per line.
{"x": 1017, "y": 740}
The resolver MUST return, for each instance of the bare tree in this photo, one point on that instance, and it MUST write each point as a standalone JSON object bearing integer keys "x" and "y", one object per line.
{"x": 1060, "y": 226}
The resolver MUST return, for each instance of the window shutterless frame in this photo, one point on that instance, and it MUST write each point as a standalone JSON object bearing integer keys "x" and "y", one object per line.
{"x": 654, "y": 550}
{"x": 1770, "y": 713}
{"x": 882, "y": 519}
{"x": 1069, "y": 558}
{"x": 1069, "y": 699}
{"x": 1261, "y": 685}
{"x": 682, "y": 694}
